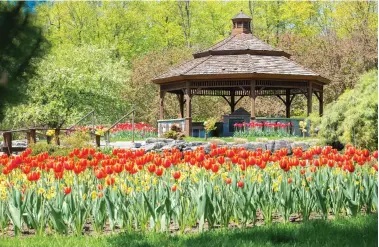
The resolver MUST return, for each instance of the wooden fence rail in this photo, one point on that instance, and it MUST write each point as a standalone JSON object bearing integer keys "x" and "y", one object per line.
{"x": 31, "y": 133}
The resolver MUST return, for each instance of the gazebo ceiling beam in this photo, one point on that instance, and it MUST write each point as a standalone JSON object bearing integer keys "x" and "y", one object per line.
{"x": 280, "y": 97}
{"x": 292, "y": 97}
{"x": 317, "y": 95}
{"x": 241, "y": 97}
{"x": 226, "y": 99}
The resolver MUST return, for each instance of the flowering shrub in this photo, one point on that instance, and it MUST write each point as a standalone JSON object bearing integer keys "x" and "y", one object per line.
{"x": 150, "y": 191}
{"x": 258, "y": 129}
{"x": 50, "y": 132}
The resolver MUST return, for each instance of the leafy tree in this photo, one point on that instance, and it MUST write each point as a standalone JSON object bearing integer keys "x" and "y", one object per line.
{"x": 209, "y": 126}
{"x": 353, "y": 118}
{"x": 72, "y": 81}
{"x": 20, "y": 42}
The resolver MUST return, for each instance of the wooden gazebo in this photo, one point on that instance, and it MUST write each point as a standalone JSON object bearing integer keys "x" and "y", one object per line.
{"x": 238, "y": 66}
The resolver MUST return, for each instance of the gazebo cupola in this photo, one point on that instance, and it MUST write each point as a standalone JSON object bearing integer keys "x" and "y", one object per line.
{"x": 239, "y": 66}
{"x": 241, "y": 24}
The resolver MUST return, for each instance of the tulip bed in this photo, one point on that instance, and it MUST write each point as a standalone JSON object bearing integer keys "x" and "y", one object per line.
{"x": 175, "y": 191}
{"x": 262, "y": 129}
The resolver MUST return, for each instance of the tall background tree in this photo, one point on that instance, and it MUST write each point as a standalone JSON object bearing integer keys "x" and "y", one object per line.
{"x": 20, "y": 42}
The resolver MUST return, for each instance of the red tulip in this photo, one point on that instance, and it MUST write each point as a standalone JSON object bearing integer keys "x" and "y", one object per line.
{"x": 100, "y": 194}
{"x": 199, "y": 156}
{"x": 215, "y": 168}
{"x": 26, "y": 169}
{"x": 375, "y": 154}
{"x": 316, "y": 162}
{"x": 303, "y": 163}
{"x": 221, "y": 159}
{"x": 365, "y": 152}
{"x": 228, "y": 180}
{"x": 176, "y": 175}
{"x": 213, "y": 152}
{"x": 229, "y": 153}
{"x": 100, "y": 173}
{"x": 117, "y": 168}
{"x": 331, "y": 163}
{"x": 151, "y": 168}
{"x": 159, "y": 171}
{"x": 173, "y": 188}
{"x": 110, "y": 180}
{"x": 166, "y": 163}
{"x": 240, "y": 184}
{"x": 100, "y": 187}
{"x": 34, "y": 176}
{"x": 207, "y": 164}
{"x": 67, "y": 190}
{"x": 58, "y": 175}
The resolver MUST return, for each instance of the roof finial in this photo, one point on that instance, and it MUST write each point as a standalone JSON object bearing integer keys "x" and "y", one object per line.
{"x": 241, "y": 23}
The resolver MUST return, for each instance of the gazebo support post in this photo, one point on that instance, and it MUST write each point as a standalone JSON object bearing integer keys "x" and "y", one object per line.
{"x": 309, "y": 99}
{"x": 288, "y": 103}
{"x": 232, "y": 101}
{"x": 181, "y": 104}
{"x": 161, "y": 104}
{"x": 321, "y": 102}
{"x": 188, "y": 118}
{"x": 252, "y": 97}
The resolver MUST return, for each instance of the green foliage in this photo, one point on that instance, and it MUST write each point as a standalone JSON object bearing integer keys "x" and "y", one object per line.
{"x": 175, "y": 133}
{"x": 20, "y": 42}
{"x": 42, "y": 147}
{"x": 107, "y": 150}
{"x": 51, "y": 149}
{"x": 77, "y": 139}
{"x": 303, "y": 127}
{"x": 315, "y": 121}
{"x": 210, "y": 125}
{"x": 353, "y": 118}
{"x": 71, "y": 82}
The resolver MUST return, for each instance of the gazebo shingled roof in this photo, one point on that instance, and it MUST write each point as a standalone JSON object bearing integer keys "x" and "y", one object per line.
{"x": 240, "y": 54}
{"x": 240, "y": 65}
{"x": 241, "y": 15}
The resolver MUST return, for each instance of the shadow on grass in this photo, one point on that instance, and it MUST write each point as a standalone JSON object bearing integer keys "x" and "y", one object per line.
{"x": 360, "y": 231}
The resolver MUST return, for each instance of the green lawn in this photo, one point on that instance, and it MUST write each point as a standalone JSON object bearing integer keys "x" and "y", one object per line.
{"x": 250, "y": 139}
{"x": 361, "y": 231}
{"x": 227, "y": 139}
